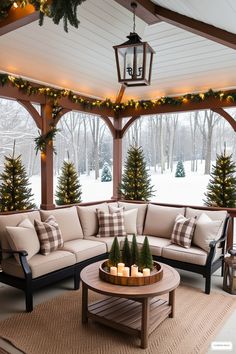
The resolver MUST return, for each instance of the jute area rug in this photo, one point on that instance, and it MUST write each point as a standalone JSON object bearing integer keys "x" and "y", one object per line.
{"x": 55, "y": 327}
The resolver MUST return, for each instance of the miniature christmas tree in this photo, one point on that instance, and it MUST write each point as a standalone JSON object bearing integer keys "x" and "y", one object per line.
{"x": 134, "y": 252}
{"x": 180, "y": 170}
{"x": 68, "y": 188}
{"x": 126, "y": 254}
{"x": 114, "y": 255}
{"x": 136, "y": 183}
{"x": 146, "y": 260}
{"x": 14, "y": 191}
{"x": 221, "y": 189}
{"x": 106, "y": 173}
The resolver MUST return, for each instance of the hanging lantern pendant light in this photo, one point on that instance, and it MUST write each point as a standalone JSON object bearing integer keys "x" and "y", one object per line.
{"x": 134, "y": 59}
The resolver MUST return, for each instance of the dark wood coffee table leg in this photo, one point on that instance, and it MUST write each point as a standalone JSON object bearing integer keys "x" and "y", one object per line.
{"x": 172, "y": 303}
{"x": 84, "y": 303}
{"x": 145, "y": 322}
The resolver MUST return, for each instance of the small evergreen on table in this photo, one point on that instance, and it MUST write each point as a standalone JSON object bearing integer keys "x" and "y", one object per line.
{"x": 134, "y": 251}
{"x": 126, "y": 254}
{"x": 146, "y": 260}
{"x": 114, "y": 255}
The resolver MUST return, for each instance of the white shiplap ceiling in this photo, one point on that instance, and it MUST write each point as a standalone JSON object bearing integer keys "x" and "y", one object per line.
{"x": 83, "y": 59}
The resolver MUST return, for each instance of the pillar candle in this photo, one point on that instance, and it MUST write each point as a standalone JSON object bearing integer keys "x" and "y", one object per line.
{"x": 146, "y": 272}
{"x": 119, "y": 274}
{"x": 140, "y": 274}
{"x": 134, "y": 270}
{"x": 125, "y": 272}
{"x": 120, "y": 267}
{"x": 113, "y": 270}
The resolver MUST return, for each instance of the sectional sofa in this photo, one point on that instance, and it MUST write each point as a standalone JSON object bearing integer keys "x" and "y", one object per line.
{"x": 25, "y": 267}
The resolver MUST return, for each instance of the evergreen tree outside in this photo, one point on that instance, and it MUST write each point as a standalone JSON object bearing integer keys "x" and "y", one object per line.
{"x": 114, "y": 255}
{"x": 106, "y": 173}
{"x": 180, "y": 172}
{"x": 134, "y": 251}
{"x": 136, "y": 183}
{"x": 126, "y": 253}
{"x": 221, "y": 189}
{"x": 146, "y": 260}
{"x": 68, "y": 187}
{"x": 15, "y": 193}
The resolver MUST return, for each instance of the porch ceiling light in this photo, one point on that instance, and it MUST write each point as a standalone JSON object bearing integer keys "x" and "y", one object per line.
{"x": 134, "y": 59}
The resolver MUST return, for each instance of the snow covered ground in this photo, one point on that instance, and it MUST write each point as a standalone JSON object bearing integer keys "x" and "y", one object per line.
{"x": 169, "y": 189}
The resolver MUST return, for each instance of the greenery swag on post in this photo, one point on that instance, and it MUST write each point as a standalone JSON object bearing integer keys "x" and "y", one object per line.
{"x": 136, "y": 183}
{"x": 14, "y": 191}
{"x": 68, "y": 188}
{"x": 221, "y": 189}
{"x": 43, "y": 140}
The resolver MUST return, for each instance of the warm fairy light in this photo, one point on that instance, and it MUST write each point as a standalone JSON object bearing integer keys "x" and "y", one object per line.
{"x": 43, "y": 156}
{"x": 15, "y": 5}
{"x": 185, "y": 100}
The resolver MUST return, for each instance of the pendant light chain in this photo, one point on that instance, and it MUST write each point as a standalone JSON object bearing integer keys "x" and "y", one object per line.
{"x": 134, "y": 5}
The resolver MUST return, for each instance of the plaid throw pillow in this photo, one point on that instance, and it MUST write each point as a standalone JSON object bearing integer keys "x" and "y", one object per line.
{"x": 183, "y": 231}
{"x": 111, "y": 224}
{"x": 49, "y": 235}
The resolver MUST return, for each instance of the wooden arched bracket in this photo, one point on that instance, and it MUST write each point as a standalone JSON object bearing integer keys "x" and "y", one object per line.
{"x": 226, "y": 115}
{"x": 32, "y": 111}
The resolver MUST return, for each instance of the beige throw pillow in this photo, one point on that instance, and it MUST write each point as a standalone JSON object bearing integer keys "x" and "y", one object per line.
{"x": 142, "y": 208}
{"x": 89, "y": 219}
{"x": 23, "y": 238}
{"x": 207, "y": 230}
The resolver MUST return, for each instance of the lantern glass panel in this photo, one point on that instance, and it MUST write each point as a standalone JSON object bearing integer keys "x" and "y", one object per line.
{"x": 131, "y": 62}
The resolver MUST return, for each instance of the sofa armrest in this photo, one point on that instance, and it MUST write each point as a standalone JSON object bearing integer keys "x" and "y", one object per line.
{"x": 23, "y": 260}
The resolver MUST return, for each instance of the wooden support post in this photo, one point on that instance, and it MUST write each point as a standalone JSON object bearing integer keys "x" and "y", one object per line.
{"x": 117, "y": 157}
{"x": 47, "y": 162}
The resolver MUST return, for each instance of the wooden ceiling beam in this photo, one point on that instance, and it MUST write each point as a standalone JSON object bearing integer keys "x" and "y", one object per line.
{"x": 197, "y": 27}
{"x": 17, "y": 18}
{"x": 145, "y": 10}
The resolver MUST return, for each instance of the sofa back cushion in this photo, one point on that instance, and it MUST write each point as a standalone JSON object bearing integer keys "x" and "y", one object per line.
{"x": 160, "y": 220}
{"x": 68, "y": 222}
{"x": 23, "y": 238}
{"x": 13, "y": 220}
{"x": 130, "y": 218}
{"x": 142, "y": 208}
{"x": 89, "y": 219}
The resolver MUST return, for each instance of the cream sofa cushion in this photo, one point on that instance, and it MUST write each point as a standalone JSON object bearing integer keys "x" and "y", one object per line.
{"x": 40, "y": 264}
{"x": 105, "y": 240}
{"x": 130, "y": 218}
{"x": 23, "y": 238}
{"x": 14, "y": 220}
{"x": 88, "y": 217}
{"x": 68, "y": 222}
{"x": 193, "y": 255}
{"x": 84, "y": 249}
{"x": 207, "y": 230}
{"x": 142, "y": 208}
{"x": 156, "y": 244}
{"x": 160, "y": 220}
{"x": 216, "y": 215}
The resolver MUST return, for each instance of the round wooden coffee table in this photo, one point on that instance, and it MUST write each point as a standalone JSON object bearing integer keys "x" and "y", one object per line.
{"x": 131, "y": 309}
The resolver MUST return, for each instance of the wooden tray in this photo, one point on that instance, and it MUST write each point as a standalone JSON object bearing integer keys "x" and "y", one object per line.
{"x": 155, "y": 276}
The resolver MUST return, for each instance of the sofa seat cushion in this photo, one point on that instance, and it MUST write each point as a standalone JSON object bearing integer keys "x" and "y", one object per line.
{"x": 88, "y": 217}
{"x": 193, "y": 255}
{"x": 40, "y": 264}
{"x": 160, "y": 220}
{"x": 14, "y": 220}
{"x": 142, "y": 208}
{"x": 68, "y": 222}
{"x": 106, "y": 240}
{"x": 84, "y": 249}
{"x": 156, "y": 244}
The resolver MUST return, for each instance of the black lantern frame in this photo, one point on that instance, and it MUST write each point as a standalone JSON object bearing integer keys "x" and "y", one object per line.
{"x": 134, "y": 59}
{"x": 229, "y": 282}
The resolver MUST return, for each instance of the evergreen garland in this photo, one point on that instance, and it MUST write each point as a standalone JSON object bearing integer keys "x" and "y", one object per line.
{"x": 146, "y": 260}
{"x": 14, "y": 191}
{"x": 68, "y": 188}
{"x": 114, "y": 255}
{"x": 180, "y": 172}
{"x": 126, "y": 253}
{"x": 221, "y": 189}
{"x": 135, "y": 183}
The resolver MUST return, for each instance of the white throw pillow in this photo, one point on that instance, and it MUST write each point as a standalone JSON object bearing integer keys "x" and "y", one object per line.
{"x": 142, "y": 208}
{"x": 23, "y": 238}
{"x": 207, "y": 230}
{"x": 89, "y": 219}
